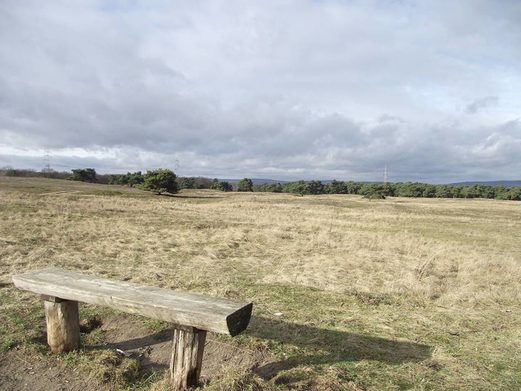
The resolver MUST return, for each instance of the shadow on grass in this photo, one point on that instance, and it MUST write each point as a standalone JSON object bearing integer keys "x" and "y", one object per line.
{"x": 331, "y": 346}
{"x": 322, "y": 346}
{"x": 141, "y": 342}
{"x": 142, "y": 347}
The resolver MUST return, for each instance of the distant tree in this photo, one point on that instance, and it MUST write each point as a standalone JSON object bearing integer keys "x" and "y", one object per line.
{"x": 444, "y": 191}
{"x": 299, "y": 187}
{"x": 387, "y": 189}
{"x": 245, "y": 184}
{"x": 268, "y": 187}
{"x": 84, "y": 175}
{"x": 114, "y": 179}
{"x": 277, "y": 188}
{"x": 222, "y": 186}
{"x": 194, "y": 183}
{"x": 225, "y": 186}
{"x": 315, "y": 187}
{"x": 48, "y": 172}
{"x": 501, "y": 193}
{"x": 353, "y": 187}
{"x": 514, "y": 194}
{"x": 336, "y": 187}
{"x": 186, "y": 183}
{"x": 374, "y": 190}
{"x": 410, "y": 189}
{"x": 11, "y": 172}
{"x": 457, "y": 192}
{"x": 487, "y": 191}
{"x": 399, "y": 189}
{"x": 134, "y": 178}
{"x": 160, "y": 181}
{"x": 429, "y": 191}
{"x": 202, "y": 183}
{"x": 469, "y": 192}
{"x": 129, "y": 179}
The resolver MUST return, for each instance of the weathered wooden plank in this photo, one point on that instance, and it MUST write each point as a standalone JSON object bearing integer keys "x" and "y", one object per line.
{"x": 187, "y": 357}
{"x": 63, "y": 325}
{"x": 187, "y": 309}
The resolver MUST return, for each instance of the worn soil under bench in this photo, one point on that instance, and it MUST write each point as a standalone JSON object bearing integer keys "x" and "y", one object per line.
{"x": 23, "y": 371}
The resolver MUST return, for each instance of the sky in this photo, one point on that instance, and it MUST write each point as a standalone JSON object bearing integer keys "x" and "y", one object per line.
{"x": 282, "y": 89}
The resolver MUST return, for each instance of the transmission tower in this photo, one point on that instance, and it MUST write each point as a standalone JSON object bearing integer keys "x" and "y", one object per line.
{"x": 385, "y": 175}
{"x": 47, "y": 162}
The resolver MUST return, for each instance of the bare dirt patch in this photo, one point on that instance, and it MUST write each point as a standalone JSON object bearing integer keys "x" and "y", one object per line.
{"x": 28, "y": 372}
{"x": 154, "y": 348}
{"x": 149, "y": 344}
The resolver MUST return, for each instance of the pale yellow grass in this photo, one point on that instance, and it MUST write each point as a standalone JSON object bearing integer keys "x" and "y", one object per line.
{"x": 439, "y": 263}
{"x": 451, "y": 250}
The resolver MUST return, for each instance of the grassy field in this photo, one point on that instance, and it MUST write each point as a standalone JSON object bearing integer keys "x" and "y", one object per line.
{"x": 396, "y": 294}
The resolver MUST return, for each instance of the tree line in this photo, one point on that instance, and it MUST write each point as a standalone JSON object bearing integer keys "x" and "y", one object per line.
{"x": 164, "y": 180}
{"x": 399, "y": 189}
{"x": 158, "y": 181}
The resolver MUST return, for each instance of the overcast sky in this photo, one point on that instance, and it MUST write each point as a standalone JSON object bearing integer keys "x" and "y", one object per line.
{"x": 268, "y": 89}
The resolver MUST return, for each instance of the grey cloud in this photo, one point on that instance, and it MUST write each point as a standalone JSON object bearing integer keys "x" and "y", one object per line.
{"x": 481, "y": 103}
{"x": 294, "y": 89}
{"x": 423, "y": 155}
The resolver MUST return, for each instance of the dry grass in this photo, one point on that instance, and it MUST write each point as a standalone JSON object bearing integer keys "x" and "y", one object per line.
{"x": 394, "y": 294}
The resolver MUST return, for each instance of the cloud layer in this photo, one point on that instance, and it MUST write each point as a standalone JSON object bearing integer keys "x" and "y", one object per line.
{"x": 282, "y": 89}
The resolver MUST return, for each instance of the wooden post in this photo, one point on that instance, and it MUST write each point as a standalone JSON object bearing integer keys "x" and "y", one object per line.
{"x": 187, "y": 357}
{"x": 63, "y": 324}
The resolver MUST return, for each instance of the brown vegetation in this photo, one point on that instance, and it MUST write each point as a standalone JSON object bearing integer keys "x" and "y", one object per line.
{"x": 349, "y": 293}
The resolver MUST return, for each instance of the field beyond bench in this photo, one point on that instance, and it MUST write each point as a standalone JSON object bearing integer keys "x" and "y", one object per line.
{"x": 192, "y": 315}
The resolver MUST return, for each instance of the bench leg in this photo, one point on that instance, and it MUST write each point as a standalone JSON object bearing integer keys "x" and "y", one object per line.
{"x": 187, "y": 357}
{"x": 63, "y": 324}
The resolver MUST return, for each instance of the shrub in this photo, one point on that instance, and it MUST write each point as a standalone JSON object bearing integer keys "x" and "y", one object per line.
{"x": 245, "y": 184}
{"x": 84, "y": 175}
{"x": 160, "y": 181}
{"x": 224, "y": 186}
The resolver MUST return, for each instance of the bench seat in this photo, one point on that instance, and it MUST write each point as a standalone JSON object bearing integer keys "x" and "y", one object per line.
{"x": 185, "y": 309}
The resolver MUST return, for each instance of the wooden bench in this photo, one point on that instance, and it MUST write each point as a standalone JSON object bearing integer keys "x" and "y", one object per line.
{"x": 192, "y": 315}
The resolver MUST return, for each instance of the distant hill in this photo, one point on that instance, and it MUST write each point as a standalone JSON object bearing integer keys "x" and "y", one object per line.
{"x": 489, "y": 183}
